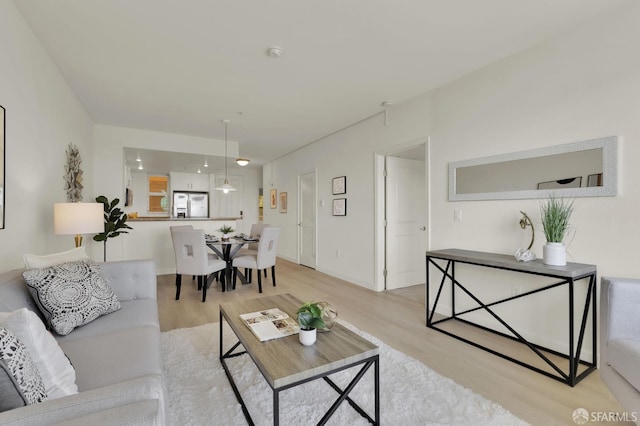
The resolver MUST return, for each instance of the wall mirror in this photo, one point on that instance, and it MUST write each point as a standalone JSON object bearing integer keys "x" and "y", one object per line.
{"x": 579, "y": 169}
{"x": 2, "y": 167}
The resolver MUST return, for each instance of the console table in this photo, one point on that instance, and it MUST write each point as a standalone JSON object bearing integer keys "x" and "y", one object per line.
{"x": 570, "y": 275}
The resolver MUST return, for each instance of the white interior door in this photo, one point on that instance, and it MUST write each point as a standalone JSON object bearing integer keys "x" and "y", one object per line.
{"x": 406, "y": 237}
{"x": 307, "y": 220}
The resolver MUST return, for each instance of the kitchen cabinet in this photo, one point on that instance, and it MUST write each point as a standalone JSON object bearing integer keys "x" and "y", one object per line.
{"x": 189, "y": 182}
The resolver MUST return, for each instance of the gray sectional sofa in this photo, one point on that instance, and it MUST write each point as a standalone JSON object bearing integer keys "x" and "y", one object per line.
{"x": 116, "y": 357}
{"x": 620, "y": 341}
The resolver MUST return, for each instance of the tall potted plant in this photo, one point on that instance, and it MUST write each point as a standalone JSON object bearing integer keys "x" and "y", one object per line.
{"x": 114, "y": 221}
{"x": 555, "y": 213}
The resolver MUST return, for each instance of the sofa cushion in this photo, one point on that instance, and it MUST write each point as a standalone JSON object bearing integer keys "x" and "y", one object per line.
{"x": 624, "y": 357}
{"x": 16, "y": 361}
{"x": 71, "y": 294}
{"x": 57, "y": 373}
{"x": 10, "y": 395}
{"x": 32, "y": 261}
{"x": 111, "y": 358}
{"x": 132, "y": 313}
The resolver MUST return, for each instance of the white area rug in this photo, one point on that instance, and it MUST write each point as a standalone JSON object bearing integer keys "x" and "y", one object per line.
{"x": 410, "y": 393}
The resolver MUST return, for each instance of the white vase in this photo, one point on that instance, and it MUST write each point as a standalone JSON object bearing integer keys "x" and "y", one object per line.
{"x": 307, "y": 337}
{"x": 554, "y": 254}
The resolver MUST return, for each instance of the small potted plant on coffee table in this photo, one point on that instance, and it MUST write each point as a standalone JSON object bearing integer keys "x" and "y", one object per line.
{"x": 226, "y": 230}
{"x": 310, "y": 319}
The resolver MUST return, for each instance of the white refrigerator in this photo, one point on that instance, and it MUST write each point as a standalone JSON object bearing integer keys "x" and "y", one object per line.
{"x": 190, "y": 204}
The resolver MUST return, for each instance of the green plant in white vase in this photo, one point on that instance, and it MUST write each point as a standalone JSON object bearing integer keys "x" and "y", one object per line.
{"x": 555, "y": 213}
{"x": 309, "y": 319}
{"x": 226, "y": 230}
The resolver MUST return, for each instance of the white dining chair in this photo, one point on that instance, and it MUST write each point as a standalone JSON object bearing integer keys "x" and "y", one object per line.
{"x": 264, "y": 258}
{"x": 180, "y": 228}
{"x": 256, "y": 231}
{"x": 252, "y": 248}
{"x": 174, "y": 228}
{"x": 192, "y": 258}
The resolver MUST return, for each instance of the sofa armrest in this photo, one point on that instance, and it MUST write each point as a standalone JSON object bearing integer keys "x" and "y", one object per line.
{"x": 131, "y": 279}
{"x": 89, "y": 402}
{"x": 619, "y": 310}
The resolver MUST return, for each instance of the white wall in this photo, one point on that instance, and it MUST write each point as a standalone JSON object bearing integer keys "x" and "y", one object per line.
{"x": 109, "y": 142}
{"x": 581, "y": 85}
{"x": 347, "y": 153}
{"x": 42, "y": 118}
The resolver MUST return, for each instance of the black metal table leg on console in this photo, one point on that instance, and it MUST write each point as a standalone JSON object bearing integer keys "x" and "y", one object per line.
{"x": 568, "y": 275}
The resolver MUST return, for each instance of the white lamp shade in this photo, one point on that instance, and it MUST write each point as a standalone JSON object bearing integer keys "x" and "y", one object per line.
{"x": 78, "y": 218}
{"x": 225, "y": 187}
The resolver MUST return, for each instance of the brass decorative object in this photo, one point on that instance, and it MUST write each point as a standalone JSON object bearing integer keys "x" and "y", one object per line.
{"x": 524, "y": 222}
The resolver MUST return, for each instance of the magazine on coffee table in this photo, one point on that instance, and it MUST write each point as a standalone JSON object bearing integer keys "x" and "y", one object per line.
{"x": 270, "y": 324}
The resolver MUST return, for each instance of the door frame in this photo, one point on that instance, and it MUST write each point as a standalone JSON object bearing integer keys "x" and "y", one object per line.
{"x": 299, "y": 216}
{"x": 379, "y": 204}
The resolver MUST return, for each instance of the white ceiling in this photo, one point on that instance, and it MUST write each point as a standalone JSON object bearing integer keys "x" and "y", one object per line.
{"x": 182, "y": 66}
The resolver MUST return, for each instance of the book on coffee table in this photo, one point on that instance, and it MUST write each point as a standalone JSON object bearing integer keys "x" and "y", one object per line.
{"x": 270, "y": 324}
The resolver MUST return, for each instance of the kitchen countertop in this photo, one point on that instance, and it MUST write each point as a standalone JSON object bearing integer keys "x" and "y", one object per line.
{"x": 178, "y": 219}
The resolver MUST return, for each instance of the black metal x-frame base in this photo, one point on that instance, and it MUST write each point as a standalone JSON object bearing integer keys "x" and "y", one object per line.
{"x": 343, "y": 393}
{"x": 574, "y": 357}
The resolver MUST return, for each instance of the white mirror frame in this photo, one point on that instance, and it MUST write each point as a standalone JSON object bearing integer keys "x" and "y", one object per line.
{"x": 609, "y": 147}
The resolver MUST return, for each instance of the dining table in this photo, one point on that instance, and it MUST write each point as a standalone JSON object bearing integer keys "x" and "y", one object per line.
{"x": 227, "y": 250}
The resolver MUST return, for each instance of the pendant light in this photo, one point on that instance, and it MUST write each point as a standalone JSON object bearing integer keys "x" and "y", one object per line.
{"x": 225, "y": 187}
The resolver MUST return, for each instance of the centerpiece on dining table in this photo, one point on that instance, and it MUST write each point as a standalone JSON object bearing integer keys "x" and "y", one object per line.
{"x": 226, "y": 230}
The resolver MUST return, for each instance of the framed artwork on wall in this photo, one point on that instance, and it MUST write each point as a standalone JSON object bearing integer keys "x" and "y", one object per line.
{"x": 340, "y": 207}
{"x": 339, "y": 185}
{"x": 283, "y": 202}
{"x": 273, "y": 197}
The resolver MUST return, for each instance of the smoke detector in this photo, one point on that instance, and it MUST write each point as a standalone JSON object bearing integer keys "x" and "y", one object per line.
{"x": 274, "y": 52}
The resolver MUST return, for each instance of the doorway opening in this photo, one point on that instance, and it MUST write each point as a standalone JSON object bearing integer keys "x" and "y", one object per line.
{"x": 401, "y": 218}
{"x": 307, "y": 219}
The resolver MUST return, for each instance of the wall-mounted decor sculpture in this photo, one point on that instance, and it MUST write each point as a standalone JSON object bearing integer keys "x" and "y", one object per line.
{"x": 73, "y": 175}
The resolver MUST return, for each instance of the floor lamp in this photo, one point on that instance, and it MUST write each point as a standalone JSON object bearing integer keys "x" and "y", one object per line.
{"x": 77, "y": 219}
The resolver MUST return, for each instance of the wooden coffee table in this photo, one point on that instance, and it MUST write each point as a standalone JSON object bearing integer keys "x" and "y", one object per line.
{"x": 286, "y": 363}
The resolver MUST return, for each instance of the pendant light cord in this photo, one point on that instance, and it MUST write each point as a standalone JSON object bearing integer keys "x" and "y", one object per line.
{"x": 226, "y": 124}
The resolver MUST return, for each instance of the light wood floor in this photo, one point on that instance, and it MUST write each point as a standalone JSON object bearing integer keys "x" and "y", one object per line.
{"x": 398, "y": 318}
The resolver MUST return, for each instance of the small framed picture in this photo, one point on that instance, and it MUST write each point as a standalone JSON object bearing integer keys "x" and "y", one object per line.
{"x": 283, "y": 202}
{"x": 339, "y": 185}
{"x": 594, "y": 180}
{"x": 340, "y": 207}
{"x": 273, "y": 197}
